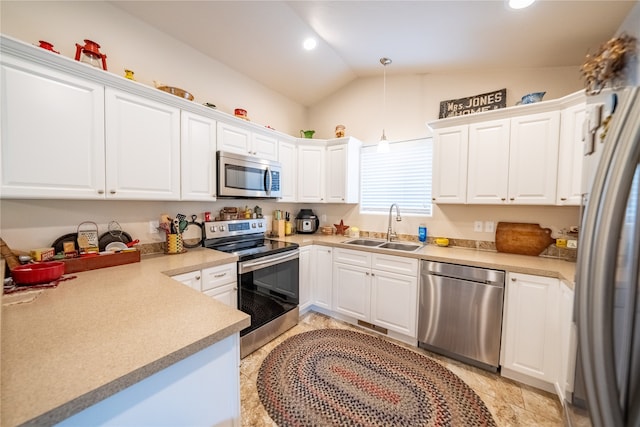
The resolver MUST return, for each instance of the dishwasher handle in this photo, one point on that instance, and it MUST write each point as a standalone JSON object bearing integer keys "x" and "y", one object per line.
{"x": 464, "y": 272}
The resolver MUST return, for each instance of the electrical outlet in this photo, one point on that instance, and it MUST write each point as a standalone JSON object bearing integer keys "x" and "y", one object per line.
{"x": 489, "y": 227}
{"x": 153, "y": 227}
{"x": 477, "y": 226}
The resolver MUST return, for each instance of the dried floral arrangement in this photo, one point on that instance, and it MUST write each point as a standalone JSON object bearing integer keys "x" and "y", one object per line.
{"x": 607, "y": 65}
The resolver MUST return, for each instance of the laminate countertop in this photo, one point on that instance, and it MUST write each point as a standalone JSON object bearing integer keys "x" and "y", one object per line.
{"x": 69, "y": 347}
{"x": 535, "y": 265}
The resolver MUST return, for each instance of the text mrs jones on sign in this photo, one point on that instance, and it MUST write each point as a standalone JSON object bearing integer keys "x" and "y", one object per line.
{"x": 474, "y": 104}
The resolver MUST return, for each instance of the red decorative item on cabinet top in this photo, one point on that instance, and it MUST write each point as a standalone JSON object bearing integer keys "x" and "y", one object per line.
{"x": 46, "y": 45}
{"x": 90, "y": 53}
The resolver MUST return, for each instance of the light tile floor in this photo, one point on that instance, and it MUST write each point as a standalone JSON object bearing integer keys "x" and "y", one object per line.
{"x": 510, "y": 403}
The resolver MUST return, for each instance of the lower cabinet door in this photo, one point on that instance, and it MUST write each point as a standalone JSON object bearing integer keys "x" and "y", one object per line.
{"x": 394, "y": 302}
{"x": 351, "y": 291}
{"x": 531, "y": 335}
{"x": 322, "y": 282}
{"x": 225, "y": 294}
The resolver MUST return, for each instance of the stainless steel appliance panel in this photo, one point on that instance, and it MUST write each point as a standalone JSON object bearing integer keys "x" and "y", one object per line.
{"x": 247, "y": 177}
{"x": 461, "y": 316}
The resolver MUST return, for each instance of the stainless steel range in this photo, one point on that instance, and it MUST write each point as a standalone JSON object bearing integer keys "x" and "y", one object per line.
{"x": 268, "y": 287}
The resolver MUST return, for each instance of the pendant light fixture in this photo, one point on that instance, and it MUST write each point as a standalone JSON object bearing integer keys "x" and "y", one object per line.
{"x": 383, "y": 144}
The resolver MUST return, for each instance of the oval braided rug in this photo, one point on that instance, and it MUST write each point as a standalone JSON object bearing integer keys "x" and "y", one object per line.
{"x": 335, "y": 377}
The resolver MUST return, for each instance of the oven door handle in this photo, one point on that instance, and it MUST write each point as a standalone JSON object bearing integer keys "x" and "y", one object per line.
{"x": 268, "y": 261}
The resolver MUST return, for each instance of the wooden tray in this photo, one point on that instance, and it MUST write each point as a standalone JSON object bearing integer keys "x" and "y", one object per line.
{"x": 522, "y": 238}
{"x": 74, "y": 265}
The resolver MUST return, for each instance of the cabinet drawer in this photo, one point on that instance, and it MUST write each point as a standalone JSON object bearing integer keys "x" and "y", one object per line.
{"x": 351, "y": 257}
{"x": 395, "y": 264}
{"x": 217, "y": 276}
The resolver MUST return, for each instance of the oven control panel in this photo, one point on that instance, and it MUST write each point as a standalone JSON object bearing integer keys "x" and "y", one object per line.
{"x": 236, "y": 227}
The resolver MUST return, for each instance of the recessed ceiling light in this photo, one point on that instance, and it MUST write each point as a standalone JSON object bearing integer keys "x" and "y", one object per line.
{"x": 520, "y": 4}
{"x": 310, "y": 43}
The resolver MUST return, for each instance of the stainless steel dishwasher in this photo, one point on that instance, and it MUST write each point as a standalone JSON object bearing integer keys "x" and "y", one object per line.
{"x": 460, "y": 312}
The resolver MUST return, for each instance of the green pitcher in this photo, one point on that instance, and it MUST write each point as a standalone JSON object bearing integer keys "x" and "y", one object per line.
{"x": 307, "y": 133}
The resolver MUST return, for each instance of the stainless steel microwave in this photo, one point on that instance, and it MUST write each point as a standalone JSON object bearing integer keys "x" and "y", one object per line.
{"x": 247, "y": 177}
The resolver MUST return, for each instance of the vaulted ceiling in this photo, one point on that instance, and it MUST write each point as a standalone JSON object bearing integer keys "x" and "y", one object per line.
{"x": 263, "y": 39}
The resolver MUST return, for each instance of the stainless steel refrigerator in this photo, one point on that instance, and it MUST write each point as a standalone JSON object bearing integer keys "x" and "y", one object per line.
{"x": 607, "y": 299}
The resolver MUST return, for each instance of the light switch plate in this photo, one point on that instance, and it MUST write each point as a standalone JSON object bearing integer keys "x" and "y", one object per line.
{"x": 477, "y": 226}
{"x": 489, "y": 227}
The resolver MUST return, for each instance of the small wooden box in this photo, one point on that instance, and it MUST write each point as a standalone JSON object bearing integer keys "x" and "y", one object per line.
{"x": 75, "y": 265}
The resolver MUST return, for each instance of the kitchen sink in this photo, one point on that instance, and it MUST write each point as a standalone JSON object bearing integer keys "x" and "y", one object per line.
{"x": 407, "y": 247}
{"x": 364, "y": 242}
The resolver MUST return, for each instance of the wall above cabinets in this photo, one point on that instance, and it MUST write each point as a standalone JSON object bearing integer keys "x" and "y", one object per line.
{"x": 527, "y": 155}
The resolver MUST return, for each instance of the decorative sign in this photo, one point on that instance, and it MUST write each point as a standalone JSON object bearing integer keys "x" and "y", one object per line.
{"x": 474, "y": 104}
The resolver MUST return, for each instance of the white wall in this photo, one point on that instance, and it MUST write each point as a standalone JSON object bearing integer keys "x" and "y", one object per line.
{"x": 411, "y": 102}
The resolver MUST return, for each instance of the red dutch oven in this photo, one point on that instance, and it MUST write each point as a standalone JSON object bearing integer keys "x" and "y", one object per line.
{"x": 32, "y": 274}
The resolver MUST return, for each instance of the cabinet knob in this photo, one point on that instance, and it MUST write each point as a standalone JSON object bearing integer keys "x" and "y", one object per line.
{"x": 512, "y": 199}
{"x": 197, "y": 277}
{"x": 367, "y": 273}
{"x": 564, "y": 199}
{"x": 112, "y": 191}
{"x": 235, "y": 289}
{"x": 373, "y": 274}
{"x": 100, "y": 191}
{"x": 513, "y": 279}
{"x": 503, "y": 199}
{"x": 434, "y": 199}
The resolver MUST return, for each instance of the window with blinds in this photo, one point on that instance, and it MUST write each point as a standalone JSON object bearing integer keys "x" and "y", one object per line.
{"x": 402, "y": 176}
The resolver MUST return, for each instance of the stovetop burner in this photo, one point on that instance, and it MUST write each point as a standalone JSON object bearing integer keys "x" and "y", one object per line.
{"x": 244, "y": 238}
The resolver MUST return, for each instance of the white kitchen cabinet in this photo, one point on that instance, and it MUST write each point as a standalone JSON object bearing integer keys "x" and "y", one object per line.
{"x": 514, "y": 161}
{"x": 488, "y": 168}
{"x": 322, "y": 257}
{"x": 142, "y": 148}
{"x": 567, "y": 343}
{"x": 264, "y": 147}
{"x": 305, "y": 279}
{"x": 343, "y": 171}
{"x": 192, "y": 279}
{"x": 197, "y": 157}
{"x": 221, "y": 282}
{"x": 52, "y": 130}
{"x": 352, "y": 290}
{"x": 288, "y": 158}
{"x": 311, "y": 169}
{"x": 450, "y": 151}
{"x": 530, "y": 330}
{"x": 377, "y": 288}
{"x": 570, "y": 155}
{"x": 236, "y": 139}
{"x": 533, "y": 158}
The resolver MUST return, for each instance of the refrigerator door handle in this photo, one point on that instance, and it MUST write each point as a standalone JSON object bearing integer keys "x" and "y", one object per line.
{"x": 597, "y": 268}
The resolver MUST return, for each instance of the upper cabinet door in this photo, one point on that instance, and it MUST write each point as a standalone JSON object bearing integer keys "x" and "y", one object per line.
{"x": 234, "y": 139}
{"x": 52, "y": 133}
{"x": 450, "y": 150}
{"x": 533, "y": 163}
{"x": 570, "y": 156}
{"x": 143, "y": 148}
{"x": 198, "y": 157}
{"x": 488, "y": 162}
{"x": 288, "y": 158}
{"x": 311, "y": 173}
{"x": 336, "y": 183}
{"x": 264, "y": 147}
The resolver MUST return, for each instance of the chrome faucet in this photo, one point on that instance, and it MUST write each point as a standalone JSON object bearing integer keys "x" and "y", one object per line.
{"x": 390, "y": 233}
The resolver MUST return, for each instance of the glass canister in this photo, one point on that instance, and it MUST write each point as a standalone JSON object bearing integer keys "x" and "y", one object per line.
{"x": 422, "y": 233}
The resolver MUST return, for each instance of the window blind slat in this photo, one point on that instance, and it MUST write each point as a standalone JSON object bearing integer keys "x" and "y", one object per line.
{"x": 402, "y": 176}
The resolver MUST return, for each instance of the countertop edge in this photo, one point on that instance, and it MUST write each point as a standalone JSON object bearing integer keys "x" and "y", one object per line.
{"x": 92, "y": 397}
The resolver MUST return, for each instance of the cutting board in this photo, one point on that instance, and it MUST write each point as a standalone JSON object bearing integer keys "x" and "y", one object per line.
{"x": 522, "y": 238}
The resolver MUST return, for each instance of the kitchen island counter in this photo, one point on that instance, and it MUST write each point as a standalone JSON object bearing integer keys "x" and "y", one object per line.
{"x": 67, "y": 348}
